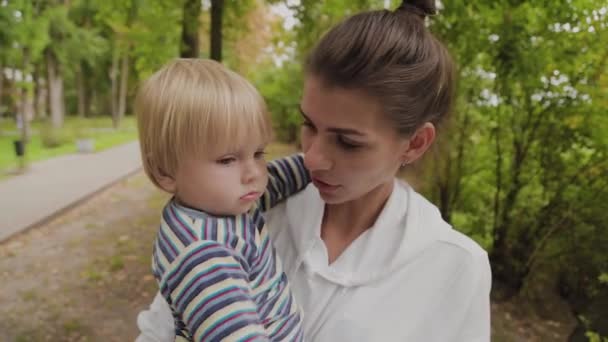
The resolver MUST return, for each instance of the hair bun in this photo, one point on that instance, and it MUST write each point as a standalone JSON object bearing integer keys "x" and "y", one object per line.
{"x": 422, "y": 8}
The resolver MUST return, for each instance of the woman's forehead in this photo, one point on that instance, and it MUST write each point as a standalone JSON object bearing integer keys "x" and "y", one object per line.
{"x": 340, "y": 107}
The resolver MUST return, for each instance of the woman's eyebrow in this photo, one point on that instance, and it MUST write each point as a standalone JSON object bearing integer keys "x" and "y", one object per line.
{"x": 337, "y": 130}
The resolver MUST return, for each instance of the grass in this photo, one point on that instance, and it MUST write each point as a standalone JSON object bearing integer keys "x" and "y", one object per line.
{"x": 27, "y": 337}
{"x": 99, "y": 129}
{"x": 72, "y": 326}
{"x": 116, "y": 263}
{"x": 92, "y": 275}
{"x": 29, "y": 295}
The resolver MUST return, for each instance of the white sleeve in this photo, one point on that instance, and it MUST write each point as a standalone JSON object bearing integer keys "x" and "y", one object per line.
{"x": 476, "y": 327}
{"x": 156, "y": 323}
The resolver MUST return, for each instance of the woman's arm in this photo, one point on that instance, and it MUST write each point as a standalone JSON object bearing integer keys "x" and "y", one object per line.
{"x": 286, "y": 176}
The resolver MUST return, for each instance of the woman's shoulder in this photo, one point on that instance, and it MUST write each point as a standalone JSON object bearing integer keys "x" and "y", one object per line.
{"x": 429, "y": 218}
{"x": 462, "y": 241}
{"x": 465, "y": 252}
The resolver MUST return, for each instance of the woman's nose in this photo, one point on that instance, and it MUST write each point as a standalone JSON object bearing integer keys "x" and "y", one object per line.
{"x": 315, "y": 155}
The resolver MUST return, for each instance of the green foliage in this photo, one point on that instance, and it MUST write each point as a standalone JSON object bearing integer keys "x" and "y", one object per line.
{"x": 156, "y": 36}
{"x": 280, "y": 87}
{"x": 526, "y": 148}
{"x": 51, "y": 137}
{"x": 151, "y": 32}
{"x": 31, "y": 31}
{"x": 595, "y": 337}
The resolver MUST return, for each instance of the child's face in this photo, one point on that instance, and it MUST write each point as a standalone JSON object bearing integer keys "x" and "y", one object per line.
{"x": 226, "y": 183}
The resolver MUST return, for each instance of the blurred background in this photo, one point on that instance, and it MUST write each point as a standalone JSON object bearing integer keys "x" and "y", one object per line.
{"x": 521, "y": 166}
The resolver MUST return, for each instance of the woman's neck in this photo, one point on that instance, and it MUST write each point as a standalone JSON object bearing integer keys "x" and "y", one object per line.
{"x": 345, "y": 222}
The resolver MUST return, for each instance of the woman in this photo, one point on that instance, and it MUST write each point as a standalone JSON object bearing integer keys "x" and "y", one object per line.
{"x": 367, "y": 257}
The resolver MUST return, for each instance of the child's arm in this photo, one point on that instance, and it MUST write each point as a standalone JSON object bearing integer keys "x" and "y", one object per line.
{"x": 208, "y": 286}
{"x": 286, "y": 176}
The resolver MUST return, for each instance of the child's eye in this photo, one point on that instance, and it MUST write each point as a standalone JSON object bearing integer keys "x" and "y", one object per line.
{"x": 226, "y": 160}
{"x": 260, "y": 154}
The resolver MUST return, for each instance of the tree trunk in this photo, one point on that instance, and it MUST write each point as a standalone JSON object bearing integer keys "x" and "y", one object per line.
{"x": 95, "y": 107}
{"x": 217, "y": 8}
{"x": 12, "y": 89}
{"x": 40, "y": 93}
{"x": 28, "y": 105}
{"x": 25, "y": 110}
{"x": 88, "y": 91}
{"x": 114, "y": 87}
{"x": 506, "y": 268}
{"x": 124, "y": 82}
{"x": 1, "y": 84}
{"x": 81, "y": 90}
{"x": 190, "y": 25}
{"x": 55, "y": 85}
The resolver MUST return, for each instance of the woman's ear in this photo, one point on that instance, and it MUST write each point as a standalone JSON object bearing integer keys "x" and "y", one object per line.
{"x": 419, "y": 143}
{"x": 165, "y": 181}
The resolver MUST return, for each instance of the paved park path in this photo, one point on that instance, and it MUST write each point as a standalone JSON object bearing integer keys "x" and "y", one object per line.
{"x": 54, "y": 185}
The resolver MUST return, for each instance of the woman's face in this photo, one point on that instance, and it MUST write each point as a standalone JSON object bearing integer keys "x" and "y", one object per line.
{"x": 350, "y": 147}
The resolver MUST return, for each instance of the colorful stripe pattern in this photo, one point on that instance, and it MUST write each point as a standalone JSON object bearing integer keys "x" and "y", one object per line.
{"x": 221, "y": 275}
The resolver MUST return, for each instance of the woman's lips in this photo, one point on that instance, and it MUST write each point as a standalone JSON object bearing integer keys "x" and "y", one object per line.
{"x": 324, "y": 187}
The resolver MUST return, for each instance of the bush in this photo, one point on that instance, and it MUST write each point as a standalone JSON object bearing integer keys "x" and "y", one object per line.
{"x": 52, "y": 137}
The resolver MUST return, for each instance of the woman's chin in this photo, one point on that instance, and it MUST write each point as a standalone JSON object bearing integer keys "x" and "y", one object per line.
{"x": 336, "y": 197}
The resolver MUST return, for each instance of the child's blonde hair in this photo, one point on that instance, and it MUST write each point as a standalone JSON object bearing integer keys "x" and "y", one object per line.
{"x": 195, "y": 106}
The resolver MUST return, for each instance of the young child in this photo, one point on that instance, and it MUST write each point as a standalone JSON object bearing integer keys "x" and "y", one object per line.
{"x": 203, "y": 130}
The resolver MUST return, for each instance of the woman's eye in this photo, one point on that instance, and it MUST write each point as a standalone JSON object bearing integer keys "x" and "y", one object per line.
{"x": 226, "y": 160}
{"x": 307, "y": 124}
{"x": 347, "y": 145}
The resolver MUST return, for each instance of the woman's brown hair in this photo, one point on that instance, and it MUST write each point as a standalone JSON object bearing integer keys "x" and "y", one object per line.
{"x": 392, "y": 57}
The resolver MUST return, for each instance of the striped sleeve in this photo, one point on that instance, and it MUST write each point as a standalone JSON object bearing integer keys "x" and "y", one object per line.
{"x": 286, "y": 176}
{"x": 207, "y": 284}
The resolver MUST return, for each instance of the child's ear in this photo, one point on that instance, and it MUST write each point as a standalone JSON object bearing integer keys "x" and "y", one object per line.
{"x": 165, "y": 181}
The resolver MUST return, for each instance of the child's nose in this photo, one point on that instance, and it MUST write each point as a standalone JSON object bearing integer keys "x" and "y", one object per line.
{"x": 251, "y": 172}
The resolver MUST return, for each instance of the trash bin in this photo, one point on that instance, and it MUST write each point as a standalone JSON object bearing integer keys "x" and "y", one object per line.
{"x": 19, "y": 148}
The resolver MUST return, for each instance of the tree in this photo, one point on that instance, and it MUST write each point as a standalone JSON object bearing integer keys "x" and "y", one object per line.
{"x": 217, "y": 10}
{"x": 6, "y": 38}
{"x": 30, "y": 36}
{"x": 190, "y": 27}
{"x": 519, "y": 169}
{"x": 59, "y": 29}
{"x": 121, "y": 17}
{"x": 88, "y": 53}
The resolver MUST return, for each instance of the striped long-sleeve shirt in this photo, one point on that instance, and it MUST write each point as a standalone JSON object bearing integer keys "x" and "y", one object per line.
{"x": 221, "y": 275}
